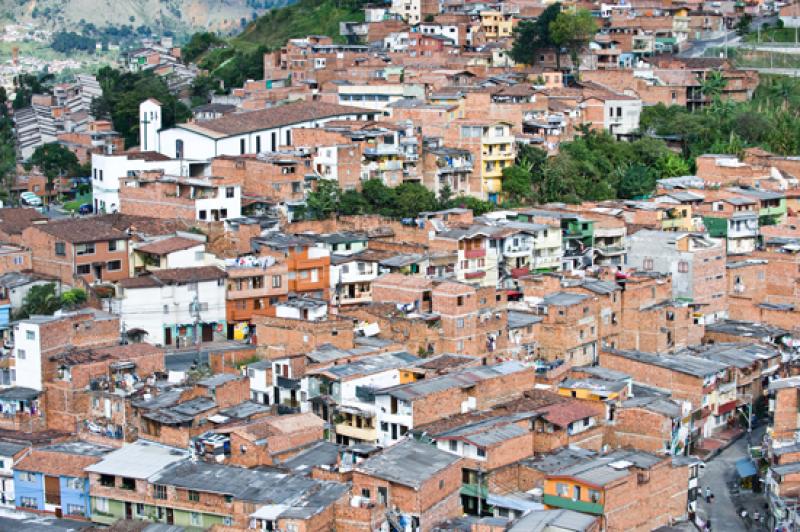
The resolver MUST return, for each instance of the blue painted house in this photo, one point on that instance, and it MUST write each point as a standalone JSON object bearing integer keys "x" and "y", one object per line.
{"x": 52, "y": 479}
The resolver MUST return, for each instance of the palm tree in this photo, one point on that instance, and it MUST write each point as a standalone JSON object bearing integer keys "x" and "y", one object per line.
{"x": 713, "y": 84}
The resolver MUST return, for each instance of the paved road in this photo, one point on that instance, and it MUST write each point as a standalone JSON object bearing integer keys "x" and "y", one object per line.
{"x": 698, "y": 48}
{"x": 18, "y": 521}
{"x": 719, "y": 474}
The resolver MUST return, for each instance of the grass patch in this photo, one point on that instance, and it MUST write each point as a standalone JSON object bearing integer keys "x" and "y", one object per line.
{"x": 772, "y": 35}
{"x": 78, "y": 201}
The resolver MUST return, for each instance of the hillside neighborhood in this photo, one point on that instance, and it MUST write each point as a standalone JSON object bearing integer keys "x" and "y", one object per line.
{"x": 464, "y": 266}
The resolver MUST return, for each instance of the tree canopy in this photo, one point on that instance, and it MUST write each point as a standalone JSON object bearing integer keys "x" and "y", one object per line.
{"x": 54, "y": 160}
{"x": 122, "y": 94}
{"x": 533, "y": 36}
{"x": 43, "y": 300}
{"x": 573, "y": 31}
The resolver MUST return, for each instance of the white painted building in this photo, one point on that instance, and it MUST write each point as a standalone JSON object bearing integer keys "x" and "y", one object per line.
{"x": 108, "y": 169}
{"x": 149, "y": 124}
{"x": 27, "y": 353}
{"x": 252, "y": 131}
{"x": 303, "y": 308}
{"x": 409, "y": 10}
{"x": 10, "y": 453}
{"x": 176, "y": 307}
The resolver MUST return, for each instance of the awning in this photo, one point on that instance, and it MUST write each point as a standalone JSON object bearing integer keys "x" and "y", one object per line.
{"x": 745, "y": 468}
{"x": 725, "y": 408}
{"x": 770, "y": 370}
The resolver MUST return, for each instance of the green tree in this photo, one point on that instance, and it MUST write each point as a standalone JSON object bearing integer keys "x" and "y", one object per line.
{"x": 122, "y": 94}
{"x": 478, "y": 206}
{"x": 322, "y": 202}
{"x": 445, "y": 194}
{"x": 573, "y": 31}
{"x": 743, "y": 24}
{"x": 517, "y": 184}
{"x": 73, "y": 298}
{"x": 353, "y": 202}
{"x": 411, "y": 199}
{"x": 713, "y": 84}
{"x": 54, "y": 160}
{"x": 198, "y": 44}
{"x": 40, "y": 300}
{"x": 380, "y": 197}
{"x": 532, "y": 36}
{"x": 637, "y": 181}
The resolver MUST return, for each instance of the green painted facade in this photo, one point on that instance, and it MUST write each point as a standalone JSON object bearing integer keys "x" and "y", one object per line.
{"x": 772, "y": 215}
{"x": 116, "y": 511}
{"x": 569, "y": 504}
{"x": 716, "y": 227}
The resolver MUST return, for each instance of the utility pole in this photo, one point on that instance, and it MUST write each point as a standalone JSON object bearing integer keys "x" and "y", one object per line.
{"x": 194, "y": 309}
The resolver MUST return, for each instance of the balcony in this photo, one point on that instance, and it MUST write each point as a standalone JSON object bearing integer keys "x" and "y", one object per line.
{"x": 368, "y": 434}
{"x": 497, "y": 155}
{"x": 474, "y": 253}
{"x": 516, "y": 273}
{"x": 390, "y": 165}
{"x": 475, "y": 275}
{"x": 586, "y": 507}
{"x": 517, "y": 251}
{"x": 287, "y": 383}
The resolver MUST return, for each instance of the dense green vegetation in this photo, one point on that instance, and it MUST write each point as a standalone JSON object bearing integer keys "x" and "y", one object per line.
{"x": 404, "y": 201}
{"x": 553, "y": 29}
{"x": 43, "y": 300}
{"x": 122, "y": 94}
{"x": 7, "y": 142}
{"x": 770, "y": 120}
{"x": 306, "y": 17}
{"x": 594, "y": 166}
{"x": 69, "y": 41}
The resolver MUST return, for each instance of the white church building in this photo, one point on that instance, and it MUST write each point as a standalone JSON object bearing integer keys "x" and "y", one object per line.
{"x": 240, "y": 133}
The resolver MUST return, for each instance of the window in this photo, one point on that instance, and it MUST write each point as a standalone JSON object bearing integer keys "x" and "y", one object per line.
{"x": 229, "y": 192}
{"x": 75, "y": 509}
{"x": 258, "y": 144}
{"x": 21, "y": 353}
{"x": 223, "y": 213}
{"x": 159, "y": 492}
{"x": 113, "y": 265}
{"x": 101, "y": 504}
{"x": 481, "y": 452}
{"x": 60, "y": 249}
{"x": 30, "y": 335}
{"x": 28, "y": 502}
{"x": 242, "y": 146}
{"x": 453, "y": 445}
{"x": 25, "y": 476}
{"x": 683, "y": 267}
{"x": 365, "y": 493}
{"x": 128, "y": 483}
{"x": 276, "y": 281}
{"x": 594, "y": 496}
{"x": 193, "y": 496}
{"x": 196, "y": 519}
{"x": 562, "y": 490}
{"x": 139, "y": 508}
{"x": 83, "y": 269}
{"x": 76, "y": 483}
{"x": 107, "y": 480}
{"x": 460, "y": 323}
{"x": 202, "y": 215}
{"x": 84, "y": 249}
{"x": 647, "y": 264}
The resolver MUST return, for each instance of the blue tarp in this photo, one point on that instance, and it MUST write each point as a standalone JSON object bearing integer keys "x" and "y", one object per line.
{"x": 745, "y": 468}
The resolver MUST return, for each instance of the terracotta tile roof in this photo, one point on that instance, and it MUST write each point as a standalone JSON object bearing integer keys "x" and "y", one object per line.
{"x": 14, "y": 220}
{"x": 56, "y": 464}
{"x": 169, "y": 245}
{"x": 174, "y": 276}
{"x": 562, "y": 414}
{"x": 282, "y": 115}
{"x": 78, "y": 230}
{"x": 144, "y": 225}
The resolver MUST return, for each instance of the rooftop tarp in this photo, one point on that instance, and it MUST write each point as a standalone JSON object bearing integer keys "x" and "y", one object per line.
{"x": 745, "y": 468}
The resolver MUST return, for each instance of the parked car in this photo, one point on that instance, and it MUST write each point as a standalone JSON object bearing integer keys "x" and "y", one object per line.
{"x": 31, "y": 199}
{"x": 86, "y": 208}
